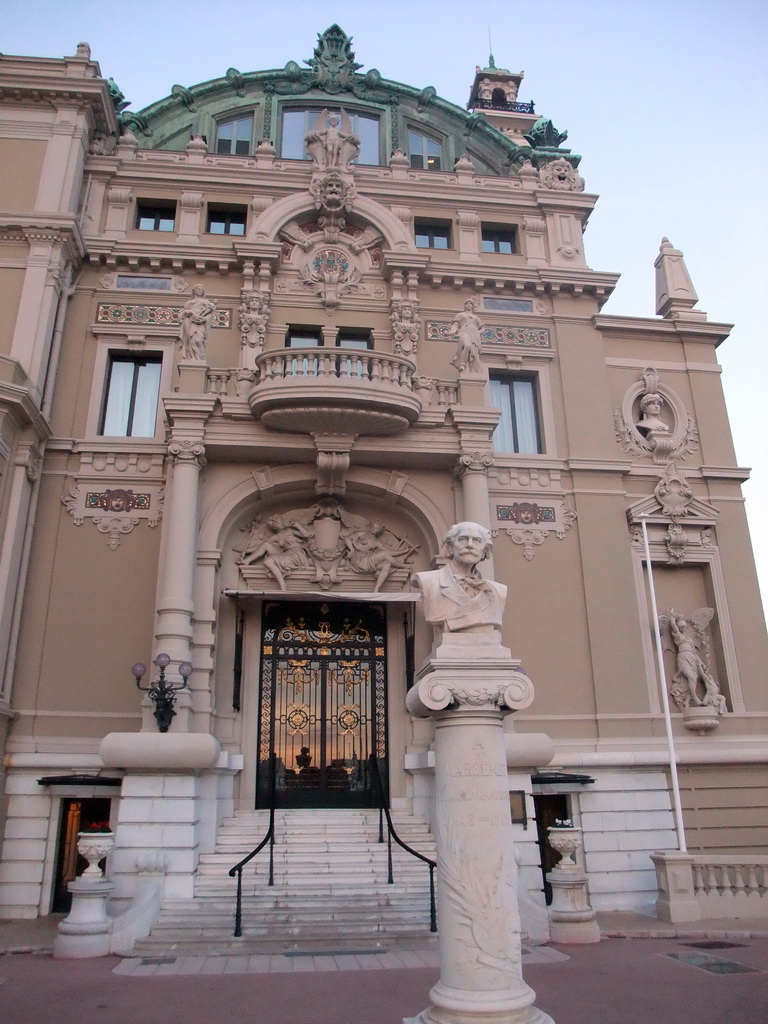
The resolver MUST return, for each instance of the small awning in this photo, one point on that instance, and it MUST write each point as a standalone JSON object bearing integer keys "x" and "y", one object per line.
{"x": 405, "y": 597}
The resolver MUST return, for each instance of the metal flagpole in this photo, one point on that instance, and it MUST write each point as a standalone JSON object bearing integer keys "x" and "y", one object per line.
{"x": 678, "y": 807}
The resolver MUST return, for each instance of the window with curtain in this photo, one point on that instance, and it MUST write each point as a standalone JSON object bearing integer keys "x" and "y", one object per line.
{"x": 518, "y": 429}
{"x": 133, "y": 388}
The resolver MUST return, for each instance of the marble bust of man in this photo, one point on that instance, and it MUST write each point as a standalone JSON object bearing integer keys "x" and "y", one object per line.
{"x": 456, "y": 598}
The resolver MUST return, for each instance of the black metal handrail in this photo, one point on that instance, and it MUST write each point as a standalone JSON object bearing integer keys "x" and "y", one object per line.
{"x": 392, "y": 834}
{"x": 518, "y": 108}
{"x": 268, "y": 838}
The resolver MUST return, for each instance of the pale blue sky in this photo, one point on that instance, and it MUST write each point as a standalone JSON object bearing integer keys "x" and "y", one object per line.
{"x": 664, "y": 99}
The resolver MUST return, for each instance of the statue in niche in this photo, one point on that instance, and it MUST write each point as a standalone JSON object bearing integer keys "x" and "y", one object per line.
{"x": 456, "y": 597}
{"x": 466, "y": 328}
{"x": 254, "y": 317}
{"x": 368, "y": 553}
{"x": 195, "y": 321}
{"x": 693, "y": 684}
{"x": 332, "y": 143}
{"x": 280, "y": 544}
{"x": 406, "y": 326}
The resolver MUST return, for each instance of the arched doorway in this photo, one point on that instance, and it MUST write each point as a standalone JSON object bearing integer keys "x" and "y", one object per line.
{"x": 322, "y": 703}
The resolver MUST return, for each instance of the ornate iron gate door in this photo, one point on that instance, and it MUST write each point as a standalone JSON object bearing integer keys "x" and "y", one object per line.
{"x": 322, "y": 703}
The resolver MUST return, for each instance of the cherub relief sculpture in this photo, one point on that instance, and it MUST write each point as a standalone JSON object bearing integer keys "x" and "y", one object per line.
{"x": 195, "y": 321}
{"x": 693, "y": 684}
{"x": 324, "y": 543}
{"x": 332, "y": 143}
{"x": 406, "y": 326}
{"x": 254, "y": 318}
{"x": 466, "y": 328}
{"x": 367, "y": 552}
{"x": 280, "y": 543}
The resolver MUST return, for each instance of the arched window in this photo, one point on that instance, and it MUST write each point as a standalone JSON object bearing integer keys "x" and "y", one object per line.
{"x": 297, "y": 122}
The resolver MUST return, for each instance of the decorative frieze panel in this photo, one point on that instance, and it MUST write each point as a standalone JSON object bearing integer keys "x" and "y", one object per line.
{"x": 323, "y": 546}
{"x": 530, "y": 523}
{"x": 117, "y": 491}
{"x": 160, "y": 316}
{"x": 529, "y": 337}
{"x": 115, "y": 511}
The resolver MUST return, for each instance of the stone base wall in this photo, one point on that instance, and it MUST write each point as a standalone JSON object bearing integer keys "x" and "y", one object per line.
{"x": 625, "y": 817}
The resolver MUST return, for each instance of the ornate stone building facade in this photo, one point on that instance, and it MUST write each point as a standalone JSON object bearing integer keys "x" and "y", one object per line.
{"x": 261, "y": 344}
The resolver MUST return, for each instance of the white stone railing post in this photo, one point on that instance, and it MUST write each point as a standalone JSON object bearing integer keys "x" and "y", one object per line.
{"x": 674, "y": 878}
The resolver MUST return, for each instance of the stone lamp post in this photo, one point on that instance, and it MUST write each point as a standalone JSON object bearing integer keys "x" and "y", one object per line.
{"x": 468, "y": 684}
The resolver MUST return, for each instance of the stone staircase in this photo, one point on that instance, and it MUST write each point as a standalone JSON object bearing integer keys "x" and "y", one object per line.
{"x": 330, "y": 888}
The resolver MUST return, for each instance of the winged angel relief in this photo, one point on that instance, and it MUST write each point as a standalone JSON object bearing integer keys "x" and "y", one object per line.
{"x": 322, "y": 543}
{"x": 332, "y": 143}
{"x": 692, "y": 684}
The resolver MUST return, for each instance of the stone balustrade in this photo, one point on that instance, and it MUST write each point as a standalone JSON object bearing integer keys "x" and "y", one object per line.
{"x": 726, "y": 886}
{"x": 700, "y": 887}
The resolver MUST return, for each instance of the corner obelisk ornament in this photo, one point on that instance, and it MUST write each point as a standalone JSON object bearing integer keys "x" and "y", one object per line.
{"x": 468, "y": 684}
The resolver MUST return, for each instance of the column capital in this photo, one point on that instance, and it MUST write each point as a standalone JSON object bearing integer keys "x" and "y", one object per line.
{"x": 474, "y": 462}
{"x": 186, "y": 451}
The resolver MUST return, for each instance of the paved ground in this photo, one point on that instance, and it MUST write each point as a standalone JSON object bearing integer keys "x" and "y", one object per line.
{"x": 617, "y": 981}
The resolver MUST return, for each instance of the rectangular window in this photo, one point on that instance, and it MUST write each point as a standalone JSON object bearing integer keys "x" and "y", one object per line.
{"x": 509, "y": 305}
{"x": 303, "y": 337}
{"x": 498, "y": 238}
{"x": 424, "y": 152}
{"x": 432, "y": 234}
{"x": 154, "y": 284}
{"x": 133, "y": 388}
{"x": 155, "y": 215}
{"x": 235, "y": 136}
{"x": 352, "y": 338}
{"x": 297, "y": 123}
{"x": 226, "y": 220}
{"x": 518, "y": 429}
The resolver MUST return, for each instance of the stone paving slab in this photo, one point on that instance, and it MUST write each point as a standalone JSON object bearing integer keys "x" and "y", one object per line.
{"x": 615, "y": 981}
{"x": 299, "y": 964}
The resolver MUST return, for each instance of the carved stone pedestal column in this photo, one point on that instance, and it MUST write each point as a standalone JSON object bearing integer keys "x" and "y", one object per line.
{"x": 571, "y": 917}
{"x": 85, "y": 932}
{"x": 468, "y": 687}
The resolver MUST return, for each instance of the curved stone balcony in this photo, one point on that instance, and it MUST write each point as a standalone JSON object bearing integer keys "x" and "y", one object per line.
{"x": 334, "y": 391}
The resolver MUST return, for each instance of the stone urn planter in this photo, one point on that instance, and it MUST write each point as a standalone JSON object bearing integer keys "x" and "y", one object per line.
{"x": 701, "y": 719}
{"x": 94, "y": 846}
{"x": 565, "y": 840}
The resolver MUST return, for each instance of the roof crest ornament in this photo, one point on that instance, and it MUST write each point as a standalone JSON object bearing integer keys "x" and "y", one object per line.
{"x": 333, "y": 61}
